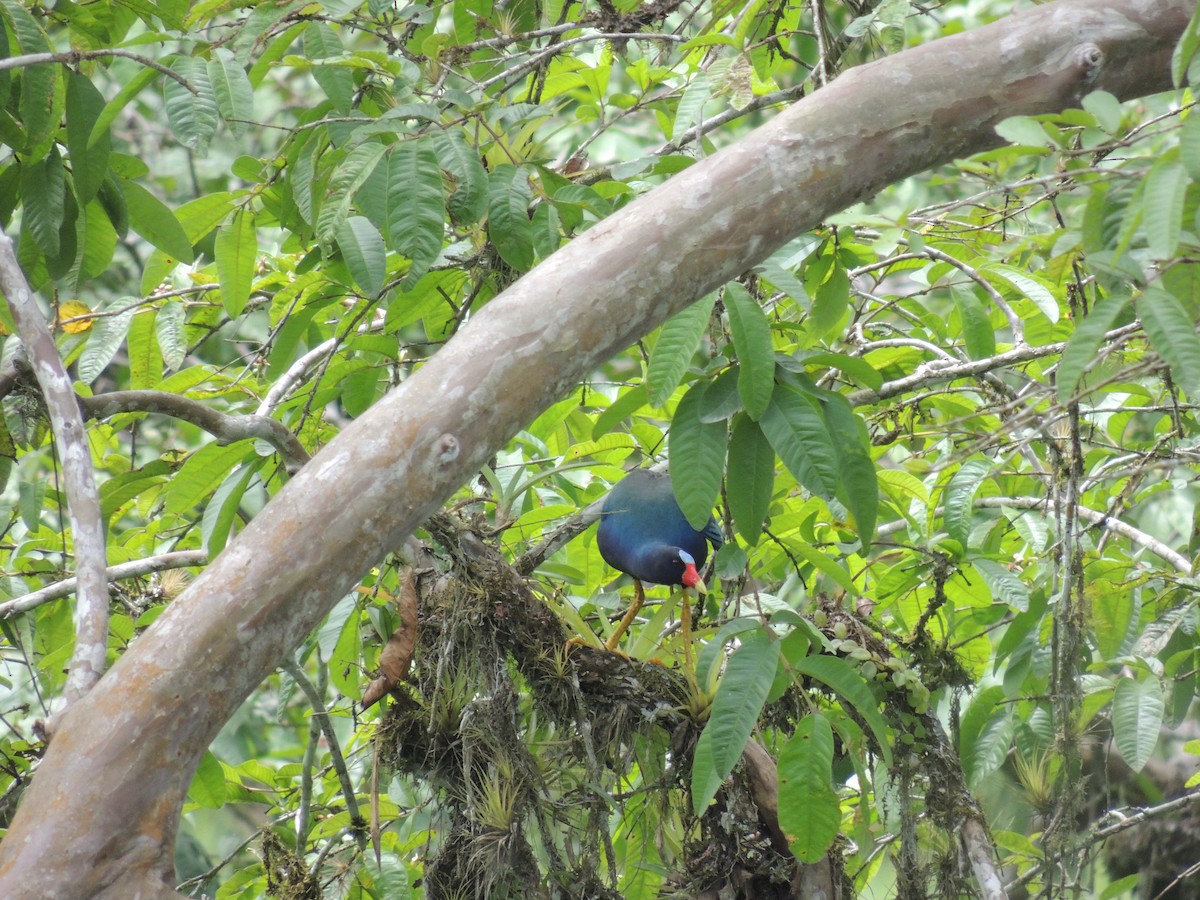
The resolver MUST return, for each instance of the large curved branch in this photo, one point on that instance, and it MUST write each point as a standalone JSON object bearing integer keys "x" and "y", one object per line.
{"x": 83, "y": 499}
{"x": 147, "y": 723}
{"x": 225, "y": 427}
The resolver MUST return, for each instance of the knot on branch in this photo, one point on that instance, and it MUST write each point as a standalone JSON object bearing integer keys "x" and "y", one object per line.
{"x": 1090, "y": 59}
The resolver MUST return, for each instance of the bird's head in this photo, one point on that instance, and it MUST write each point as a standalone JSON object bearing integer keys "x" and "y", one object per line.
{"x": 690, "y": 577}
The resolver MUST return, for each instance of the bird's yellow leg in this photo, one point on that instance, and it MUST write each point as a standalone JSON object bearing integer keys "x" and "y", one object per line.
{"x": 639, "y": 597}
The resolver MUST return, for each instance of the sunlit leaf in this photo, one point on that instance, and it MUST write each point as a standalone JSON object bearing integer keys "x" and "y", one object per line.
{"x": 809, "y": 812}
{"x": 1137, "y": 716}
{"x": 678, "y": 340}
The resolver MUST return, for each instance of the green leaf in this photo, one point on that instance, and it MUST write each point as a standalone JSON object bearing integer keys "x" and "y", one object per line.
{"x": 232, "y": 90}
{"x": 104, "y": 340}
{"x": 1005, "y": 586}
{"x": 509, "y": 226}
{"x": 854, "y": 366}
{"x": 39, "y": 83}
{"x": 697, "y": 457}
{"x": 860, "y": 487}
{"x": 350, "y": 175}
{"x": 751, "y": 477}
{"x": 236, "y": 250}
{"x": 365, "y": 255}
{"x": 151, "y": 218}
{"x": 830, "y": 301}
{"x": 978, "y": 335}
{"x": 344, "y": 665}
{"x": 1173, "y": 334}
{"x": 201, "y": 474}
{"x": 755, "y": 352}
{"x": 43, "y": 199}
{"x": 169, "y": 329}
{"x": 222, "y": 511}
{"x": 145, "y": 359}
{"x": 1189, "y": 144}
{"x": 322, "y": 42}
{"x": 824, "y": 563}
{"x": 1137, "y": 717}
{"x": 89, "y": 161}
{"x": 620, "y": 409}
{"x": 846, "y": 680}
{"x": 1162, "y": 207}
{"x": 739, "y": 700}
{"x": 192, "y": 117}
{"x": 677, "y": 342}
{"x": 958, "y": 499}
{"x": 113, "y": 108}
{"x": 469, "y": 197}
{"x": 809, "y": 811}
{"x": 1041, "y": 295}
{"x": 1081, "y": 348}
{"x": 1185, "y": 50}
{"x": 796, "y": 429}
{"x": 1106, "y": 108}
{"x": 416, "y": 206}
{"x": 208, "y": 786}
{"x": 691, "y": 105}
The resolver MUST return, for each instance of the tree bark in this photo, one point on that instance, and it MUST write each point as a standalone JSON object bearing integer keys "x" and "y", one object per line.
{"x": 102, "y": 812}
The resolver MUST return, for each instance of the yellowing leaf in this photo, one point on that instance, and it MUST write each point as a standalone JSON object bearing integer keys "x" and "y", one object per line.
{"x": 69, "y": 314}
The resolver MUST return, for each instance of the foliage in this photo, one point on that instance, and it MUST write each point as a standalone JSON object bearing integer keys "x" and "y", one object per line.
{"x": 951, "y": 436}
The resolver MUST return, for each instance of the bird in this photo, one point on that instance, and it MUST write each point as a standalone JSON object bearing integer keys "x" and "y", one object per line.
{"x": 645, "y": 534}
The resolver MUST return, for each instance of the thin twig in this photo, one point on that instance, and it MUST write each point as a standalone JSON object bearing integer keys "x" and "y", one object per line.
{"x": 73, "y": 57}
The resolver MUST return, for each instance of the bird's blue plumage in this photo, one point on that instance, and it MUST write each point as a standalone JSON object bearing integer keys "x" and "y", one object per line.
{"x": 642, "y": 529}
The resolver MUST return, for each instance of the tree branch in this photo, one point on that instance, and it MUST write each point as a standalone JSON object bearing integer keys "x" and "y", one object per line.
{"x": 225, "y": 427}
{"x": 179, "y": 559}
{"x": 83, "y": 499}
{"x": 74, "y": 57}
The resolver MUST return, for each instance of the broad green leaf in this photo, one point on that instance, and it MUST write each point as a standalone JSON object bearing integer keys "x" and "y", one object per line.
{"x": 1041, "y": 296}
{"x": 112, "y": 109}
{"x": 222, "y": 511}
{"x": 104, "y": 340}
{"x": 151, "y": 218}
{"x": 854, "y": 366}
{"x": 1162, "y": 202}
{"x": 145, "y": 359}
{"x": 620, "y": 409}
{"x": 236, "y": 250}
{"x": 322, "y": 42}
{"x": 231, "y": 89}
{"x": 1106, "y": 108}
{"x": 825, "y": 563}
{"x": 365, "y": 255}
{"x": 678, "y": 340}
{"x": 1189, "y": 145}
{"x": 201, "y": 474}
{"x": 796, "y": 429}
{"x": 1137, "y": 717}
{"x": 389, "y": 877}
{"x": 469, "y": 197}
{"x": 846, "y": 680}
{"x": 1023, "y": 131}
{"x": 200, "y": 216}
{"x": 1185, "y": 50}
{"x": 1112, "y": 611}
{"x": 690, "y": 110}
{"x": 347, "y": 178}
{"x": 1006, "y": 587}
{"x": 43, "y": 200}
{"x": 751, "y": 477}
{"x": 958, "y": 499}
{"x": 974, "y": 721}
{"x": 192, "y": 116}
{"x": 860, "y": 489}
{"x": 809, "y": 811}
{"x": 208, "y": 786}
{"x": 697, "y": 457}
{"x": 169, "y": 329}
{"x": 40, "y": 84}
{"x": 739, "y": 700}
{"x": 1173, "y": 334}
{"x": 345, "y": 667}
{"x": 1081, "y": 348}
{"x": 416, "y": 205}
{"x": 756, "y": 354}
{"x": 509, "y": 226}
{"x": 89, "y": 161}
{"x": 830, "y": 301}
{"x": 978, "y": 335}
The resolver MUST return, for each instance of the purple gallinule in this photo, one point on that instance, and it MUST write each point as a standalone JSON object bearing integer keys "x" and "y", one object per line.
{"x": 645, "y": 534}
